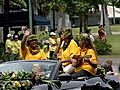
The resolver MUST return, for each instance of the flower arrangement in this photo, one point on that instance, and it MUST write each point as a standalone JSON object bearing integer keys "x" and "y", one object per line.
{"x": 22, "y": 81}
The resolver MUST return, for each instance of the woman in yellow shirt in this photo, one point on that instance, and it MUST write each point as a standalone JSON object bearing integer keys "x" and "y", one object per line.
{"x": 31, "y": 51}
{"x": 85, "y": 61}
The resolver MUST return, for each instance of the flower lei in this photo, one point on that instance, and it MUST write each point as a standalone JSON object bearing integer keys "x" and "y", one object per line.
{"x": 33, "y": 52}
{"x": 23, "y": 81}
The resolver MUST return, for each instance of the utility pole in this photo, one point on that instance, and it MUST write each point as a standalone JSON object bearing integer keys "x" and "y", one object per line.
{"x": 30, "y": 13}
{"x": 31, "y": 16}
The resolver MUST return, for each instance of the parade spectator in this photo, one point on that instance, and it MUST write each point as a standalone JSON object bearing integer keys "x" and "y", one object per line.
{"x": 53, "y": 43}
{"x": 101, "y": 33}
{"x": 8, "y": 48}
{"x": 16, "y": 46}
{"x": 107, "y": 66}
{"x": 31, "y": 49}
{"x": 8, "y": 44}
{"x": 47, "y": 49}
{"x": 85, "y": 61}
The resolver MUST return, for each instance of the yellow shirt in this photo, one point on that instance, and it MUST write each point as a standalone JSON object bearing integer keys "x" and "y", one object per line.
{"x": 8, "y": 45}
{"x": 69, "y": 52}
{"x": 52, "y": 44}
{"x": 16, "y": 46}
{"x": 58, "y": 41}
{"x": 47, "y": 52}
{"x": 85, "y": 65}
{"x": 26, "y": 55}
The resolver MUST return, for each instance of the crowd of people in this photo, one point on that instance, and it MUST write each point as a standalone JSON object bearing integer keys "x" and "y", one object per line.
{"x": 78, "y": 59}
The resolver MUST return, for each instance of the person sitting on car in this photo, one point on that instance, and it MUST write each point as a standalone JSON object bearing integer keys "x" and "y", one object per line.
{"x": 31, "y": 49}
{"x": 85, "y": 61}
{"x": 68, "y": 47}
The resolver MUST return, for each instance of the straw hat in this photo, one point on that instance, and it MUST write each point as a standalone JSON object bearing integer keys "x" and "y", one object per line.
{"x": 32, "y": 37}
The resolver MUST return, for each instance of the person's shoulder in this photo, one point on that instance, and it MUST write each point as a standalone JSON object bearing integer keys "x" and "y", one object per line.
{"x": 8, "y": 40}
{"x": 73, "y": 42}
{"x": 41, "y": 50}
{"x": 103, "y": 65}
{"x": 45, "y": 46}
{"x": 91, "y": 50}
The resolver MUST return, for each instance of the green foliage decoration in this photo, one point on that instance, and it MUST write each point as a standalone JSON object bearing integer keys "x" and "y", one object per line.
{"x": 103, "y": 48}
{"x": 24, "y": 81}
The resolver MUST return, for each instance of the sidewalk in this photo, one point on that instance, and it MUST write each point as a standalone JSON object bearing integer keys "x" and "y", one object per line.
{"x": 113, "y": 33}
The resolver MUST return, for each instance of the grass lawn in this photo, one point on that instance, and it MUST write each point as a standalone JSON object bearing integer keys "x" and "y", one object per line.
{"x": 94, "y": 29}
{"x": 114, "y": 40}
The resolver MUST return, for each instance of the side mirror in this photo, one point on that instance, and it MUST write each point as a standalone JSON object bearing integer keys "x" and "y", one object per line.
{"x": 64, "y": 77}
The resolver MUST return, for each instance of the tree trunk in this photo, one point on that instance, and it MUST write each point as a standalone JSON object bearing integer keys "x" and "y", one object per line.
{"x": 113, "y": 14}
{"x": 63, "y": 20}
{"x": 102, "y": 21}
{"x": 60, "y": 19}
{"x": 80, "y": 23}
{"x": 85, "y": 22}
{"x": 107, "y": 24}
{"x": 67, "y": 21}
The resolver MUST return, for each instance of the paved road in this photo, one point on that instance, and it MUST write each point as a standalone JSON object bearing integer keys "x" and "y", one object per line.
{"x": 116, "y": 63}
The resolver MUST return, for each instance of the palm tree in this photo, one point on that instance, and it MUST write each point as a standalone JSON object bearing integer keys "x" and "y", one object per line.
{"x": 21, "y": 3}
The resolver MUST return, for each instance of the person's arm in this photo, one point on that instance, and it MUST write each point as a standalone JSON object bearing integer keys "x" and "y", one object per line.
{"x": 23, "y": 49}
{"x": 93, "y": 60}
{"x": 23, "y": 42}
{"x": 92, "y": 64}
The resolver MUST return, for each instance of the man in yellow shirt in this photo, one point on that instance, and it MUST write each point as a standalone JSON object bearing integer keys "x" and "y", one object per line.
{"x": 31, "y": 51}
{"x": 68, "y": 47}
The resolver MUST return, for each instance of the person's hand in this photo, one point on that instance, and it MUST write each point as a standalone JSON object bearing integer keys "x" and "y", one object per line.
{"x": 27, "y": 32}
{"x": 86, "y": 59}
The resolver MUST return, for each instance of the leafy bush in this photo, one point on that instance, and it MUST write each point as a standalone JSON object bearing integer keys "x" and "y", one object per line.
{"x": 103, "y": 48}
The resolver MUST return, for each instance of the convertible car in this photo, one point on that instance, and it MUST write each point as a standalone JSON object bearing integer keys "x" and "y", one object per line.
{"x": 18, "y": 75}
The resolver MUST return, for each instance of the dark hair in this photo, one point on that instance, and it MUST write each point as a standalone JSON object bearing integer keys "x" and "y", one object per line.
{"x": 88, "y": 31}
{"x": 100, "y": 26}
{"x": 87, "y": 42}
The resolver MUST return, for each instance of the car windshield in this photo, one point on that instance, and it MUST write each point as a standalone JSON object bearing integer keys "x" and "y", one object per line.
{"x": 46, "y": 66}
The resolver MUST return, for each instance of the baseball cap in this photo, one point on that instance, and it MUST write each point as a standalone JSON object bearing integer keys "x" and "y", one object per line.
{"x": 52, "y": 33}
